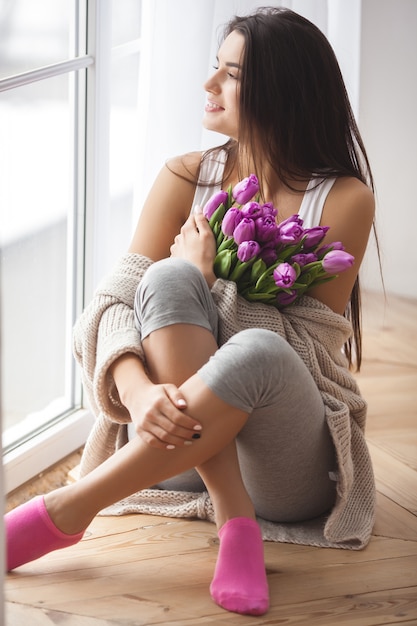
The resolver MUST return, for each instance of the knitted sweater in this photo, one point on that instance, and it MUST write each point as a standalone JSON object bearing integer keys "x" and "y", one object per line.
{"x": 106, "y": 330}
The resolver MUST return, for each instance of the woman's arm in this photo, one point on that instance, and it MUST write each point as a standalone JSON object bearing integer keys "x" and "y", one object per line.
{"x": 349, "y": 212}
{"x": 167, "y": 207}
{"x": 158, "y": 410}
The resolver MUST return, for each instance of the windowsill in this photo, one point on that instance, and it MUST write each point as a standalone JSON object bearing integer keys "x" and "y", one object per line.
{"x": 46, "y": 449}
{"x": 62, "y": 473}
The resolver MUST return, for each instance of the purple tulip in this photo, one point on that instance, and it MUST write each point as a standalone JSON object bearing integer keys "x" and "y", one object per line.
{"x": 296, "y": 219}
{"x": 304, "y": 258}
{"x": 213, "y": 203}
{"x": 245, "y": 189}
{"x": 290, "y": 232}
{"x": 314, "y": 236}
{"x": 244, "y": 231}
{"x": 284, "y": 298}
{"x": 285, "y": 275}
{"x": 336, "y": 245}
{"x": 337, "y": 261}
{"x": 247, "y": 250}
{"x": 269, "y": 209}
{"x": 266, "y": 228}
{"x": 252, "y": 209}
{"x": 268, "y": 254}
{"x": 231, "y": 219}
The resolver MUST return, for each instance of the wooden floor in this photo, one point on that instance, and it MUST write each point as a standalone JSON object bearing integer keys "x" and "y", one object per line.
{"x": 138, "y": 570}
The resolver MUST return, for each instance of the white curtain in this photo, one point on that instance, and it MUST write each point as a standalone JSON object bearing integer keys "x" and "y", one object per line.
{"x": 180, "y": 41}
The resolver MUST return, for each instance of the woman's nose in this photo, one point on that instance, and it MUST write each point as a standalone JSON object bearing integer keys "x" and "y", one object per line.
{"x": 212, "y": 85}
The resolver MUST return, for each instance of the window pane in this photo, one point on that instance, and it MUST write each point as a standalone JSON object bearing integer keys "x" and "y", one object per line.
{"x": 123, "y": 149}
{"x": 36, "y": 130}
{"x": 33, "y": 34}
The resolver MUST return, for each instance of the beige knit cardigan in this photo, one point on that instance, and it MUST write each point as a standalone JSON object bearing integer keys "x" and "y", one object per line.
{"x": 106, "y": 330}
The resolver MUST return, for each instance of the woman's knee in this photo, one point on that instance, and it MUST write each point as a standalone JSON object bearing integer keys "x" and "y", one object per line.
{"x": 167, "y": 273}
{"x": 250, "y": 369}
{"x": 260, "y": 341}
{"x": 174, "y": 291}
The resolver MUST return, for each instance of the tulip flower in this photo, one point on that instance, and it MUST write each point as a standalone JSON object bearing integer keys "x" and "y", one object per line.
{"x": 244, "y": 231}
{"x": 252, "y": 210}
{"x": 337, "y": 261}
{"x": 246, "y": 189}
{"x": 269, "y": 262}
{"x": 268, "y": 254}
{"x": 284, "y": 298}
{"x": 231, "y": 219}
{"x": 213, "y": 203}
{"x": 247, "y": 250}
{"x": 294, "y": 219}
{"x": 290, "y": 232}
{"x": 269, "y": 209}
{"x": 314, "y": 236}
{"x": 336, "y": 245}
{"x": 285, "y": 275}
{"x": 303, "y": 258}
{"x": 266, "y": 228}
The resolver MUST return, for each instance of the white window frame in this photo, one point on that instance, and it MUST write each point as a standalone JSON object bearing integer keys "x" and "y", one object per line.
{"x": 90, "y": 67}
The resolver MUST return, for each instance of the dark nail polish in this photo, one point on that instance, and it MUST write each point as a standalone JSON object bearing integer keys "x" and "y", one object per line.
{"x": 196, "y": 436}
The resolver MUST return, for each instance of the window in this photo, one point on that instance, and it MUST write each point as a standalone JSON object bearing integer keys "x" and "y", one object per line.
{"x": 68, "y": 97}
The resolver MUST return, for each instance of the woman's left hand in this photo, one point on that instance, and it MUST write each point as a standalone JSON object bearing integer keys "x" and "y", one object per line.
{"x": 196, "y": 243}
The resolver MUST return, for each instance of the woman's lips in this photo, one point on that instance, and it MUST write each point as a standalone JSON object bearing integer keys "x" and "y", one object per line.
{"x": 212, "y": 107}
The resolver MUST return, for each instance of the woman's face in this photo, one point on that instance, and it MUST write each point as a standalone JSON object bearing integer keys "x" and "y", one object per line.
{"x": 221, "y": 112}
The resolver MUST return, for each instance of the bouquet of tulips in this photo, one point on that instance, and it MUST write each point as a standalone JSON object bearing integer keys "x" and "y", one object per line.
{"x": 270, "y": 262}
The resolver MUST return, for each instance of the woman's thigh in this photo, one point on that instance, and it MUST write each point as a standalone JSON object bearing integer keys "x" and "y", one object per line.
{"x": 285, "y": 449}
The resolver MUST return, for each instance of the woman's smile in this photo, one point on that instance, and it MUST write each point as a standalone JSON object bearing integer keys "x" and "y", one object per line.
{"x": 212, "y": 107}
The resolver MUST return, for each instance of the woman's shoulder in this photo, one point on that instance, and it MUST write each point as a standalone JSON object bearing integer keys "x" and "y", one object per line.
{"x": 352, "y": 194}
{"x": 186, "y": 166}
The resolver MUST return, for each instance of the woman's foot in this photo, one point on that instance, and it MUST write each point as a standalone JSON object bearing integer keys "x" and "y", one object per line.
{"x": 240, "y": 584}
{"x": 31, "y": 533}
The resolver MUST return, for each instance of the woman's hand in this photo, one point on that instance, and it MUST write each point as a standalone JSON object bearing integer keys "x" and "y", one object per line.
{"x": 158, "y": 413}
{"x": 196, "y": 243}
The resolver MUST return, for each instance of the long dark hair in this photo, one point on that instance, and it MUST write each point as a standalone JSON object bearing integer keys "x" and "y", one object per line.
{"x": 295, "y": 114}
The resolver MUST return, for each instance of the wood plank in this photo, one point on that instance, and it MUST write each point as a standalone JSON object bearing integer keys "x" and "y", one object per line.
{"x": 394, "y": 479}
{"x": 117, "y": 585}
{"x": 369, "y": 609}
{"x": 24, "y": 615}
{"x": 393, "y": 520}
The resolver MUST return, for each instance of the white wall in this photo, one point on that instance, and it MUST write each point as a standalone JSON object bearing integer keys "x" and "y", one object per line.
{"x": 387, "y": 119}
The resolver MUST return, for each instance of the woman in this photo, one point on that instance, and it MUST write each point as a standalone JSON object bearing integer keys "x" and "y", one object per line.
{"x": 260, "y": 402}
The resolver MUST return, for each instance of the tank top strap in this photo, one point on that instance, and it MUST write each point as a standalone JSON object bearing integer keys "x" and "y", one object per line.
{"x": 313, "y": 201}
{"x": 211, "y": 169}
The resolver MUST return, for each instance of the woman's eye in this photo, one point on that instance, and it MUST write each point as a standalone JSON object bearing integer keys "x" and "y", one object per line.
{"x": 231, "y": 75}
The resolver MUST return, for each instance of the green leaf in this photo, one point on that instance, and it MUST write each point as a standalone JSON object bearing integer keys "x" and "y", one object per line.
{"x": 217, "y": 216}
{"x": 258, "y": 268}
{"x": 227, "y": 244}
{"x": 240, "y": 268}
{"x": 223, "y": 263}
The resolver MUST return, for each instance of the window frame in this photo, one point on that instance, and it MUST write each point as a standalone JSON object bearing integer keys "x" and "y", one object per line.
{"x": 91, "y": 18}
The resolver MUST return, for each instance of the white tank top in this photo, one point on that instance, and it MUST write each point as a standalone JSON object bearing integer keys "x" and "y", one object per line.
{"x": 311, "y": 206}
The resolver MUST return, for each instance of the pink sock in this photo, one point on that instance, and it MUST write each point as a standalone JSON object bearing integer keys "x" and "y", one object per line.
{"x": 30, "y": 533}
{"x": 239, "y": 582}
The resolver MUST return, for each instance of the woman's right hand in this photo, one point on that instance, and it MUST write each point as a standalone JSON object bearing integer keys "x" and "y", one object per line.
{"x": 158, "y": 412}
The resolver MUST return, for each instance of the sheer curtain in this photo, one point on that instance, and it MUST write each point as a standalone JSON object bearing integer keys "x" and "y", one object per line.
{"x": 180, "y": 41}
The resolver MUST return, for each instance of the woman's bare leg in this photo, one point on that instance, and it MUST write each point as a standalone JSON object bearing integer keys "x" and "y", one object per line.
{"x": 239, "y": 582}
{"x": 173, "y": 354}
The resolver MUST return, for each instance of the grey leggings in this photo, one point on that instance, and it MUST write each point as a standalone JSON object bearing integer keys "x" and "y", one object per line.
{"x": 285, "y": 450}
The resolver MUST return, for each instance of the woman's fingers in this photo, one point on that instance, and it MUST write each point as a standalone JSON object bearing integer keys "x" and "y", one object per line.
{"x": 166, "y": 424}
